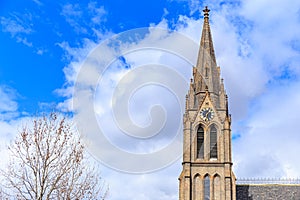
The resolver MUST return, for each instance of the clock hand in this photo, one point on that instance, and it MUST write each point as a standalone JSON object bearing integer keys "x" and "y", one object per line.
{"x": 207, "y": 114}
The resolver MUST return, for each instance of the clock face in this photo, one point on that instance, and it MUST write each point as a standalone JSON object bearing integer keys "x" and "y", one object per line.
{"x": 207, "y": 114}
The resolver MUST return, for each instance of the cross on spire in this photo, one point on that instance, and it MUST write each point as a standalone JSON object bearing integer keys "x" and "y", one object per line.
{"x": 206, "y": 12}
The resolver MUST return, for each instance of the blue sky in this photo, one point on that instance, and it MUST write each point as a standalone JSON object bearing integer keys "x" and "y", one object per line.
{"x": 31, "y": 57}
{"x": 257, "y": 44}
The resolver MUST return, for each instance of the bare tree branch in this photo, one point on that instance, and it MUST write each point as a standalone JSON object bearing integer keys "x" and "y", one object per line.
{"x": 48, "y": 161}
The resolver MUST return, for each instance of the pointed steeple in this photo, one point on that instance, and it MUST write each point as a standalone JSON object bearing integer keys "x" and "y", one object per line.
{"x": 206, "y": 44}
{"x": 206, "y": 71}
{"x": 206, "y": 130}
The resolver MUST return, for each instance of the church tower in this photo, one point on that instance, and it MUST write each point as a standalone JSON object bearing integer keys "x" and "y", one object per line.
{"x": 207, "y": 163}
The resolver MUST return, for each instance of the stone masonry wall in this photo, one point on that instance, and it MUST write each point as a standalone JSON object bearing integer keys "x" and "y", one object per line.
{"x": 268, "y": 192}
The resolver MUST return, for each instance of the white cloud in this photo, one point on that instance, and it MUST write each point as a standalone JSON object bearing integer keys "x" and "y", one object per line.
{"x": 72, "y": 14}
{"x": 162, "y": 185}
{"x": 24, "y": 41}
{"x": 7, "y": 132}
{"x": 8, "y": 119}
{"x": 10, "y": 127}
{"x": 99, "y": 13}
{"x": 18, "y": 27}
{"x": 84, "y": 19}
{"x": 194, "y": 6}
{"x": 253, "y": 48}
{"x": 15, "y": 26}
{"x": 262, "y": 83}
{"x": 38, "y": 2}
{"x": 139, "y": 106}
{"x": 6, "y": 102}
{"x": 272, "y": 134}
{"x": 41, "y": 51}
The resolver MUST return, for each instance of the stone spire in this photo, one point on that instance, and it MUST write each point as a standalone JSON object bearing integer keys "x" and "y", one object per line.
{"x": 207, "y": 162}
{"x": 206, "y": 44}
{"x": 206, "y": 71}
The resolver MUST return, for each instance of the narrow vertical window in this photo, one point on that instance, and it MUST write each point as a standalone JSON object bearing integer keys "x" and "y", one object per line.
{"x": 213, "y": 142}
{"x": 217, "y": 187}
{"x": 206, "y": 188}
{"x": 197, "y": 188}
{"x": 200, "y": 142}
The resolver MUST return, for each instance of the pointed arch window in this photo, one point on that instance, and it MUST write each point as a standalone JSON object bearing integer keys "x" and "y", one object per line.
{"x": 217, "y": 187}
{"x": 200, "y": 142}
{"x": 197, "y": 187}
{"x": 206, "y": 188}
{"x": 213, "y": 142}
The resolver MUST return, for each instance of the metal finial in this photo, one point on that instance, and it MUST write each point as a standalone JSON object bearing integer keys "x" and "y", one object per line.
{"x": 206, "y": 12}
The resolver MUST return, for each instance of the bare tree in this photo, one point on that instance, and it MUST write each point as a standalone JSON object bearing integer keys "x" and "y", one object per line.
{"x": 48, "y": 161}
